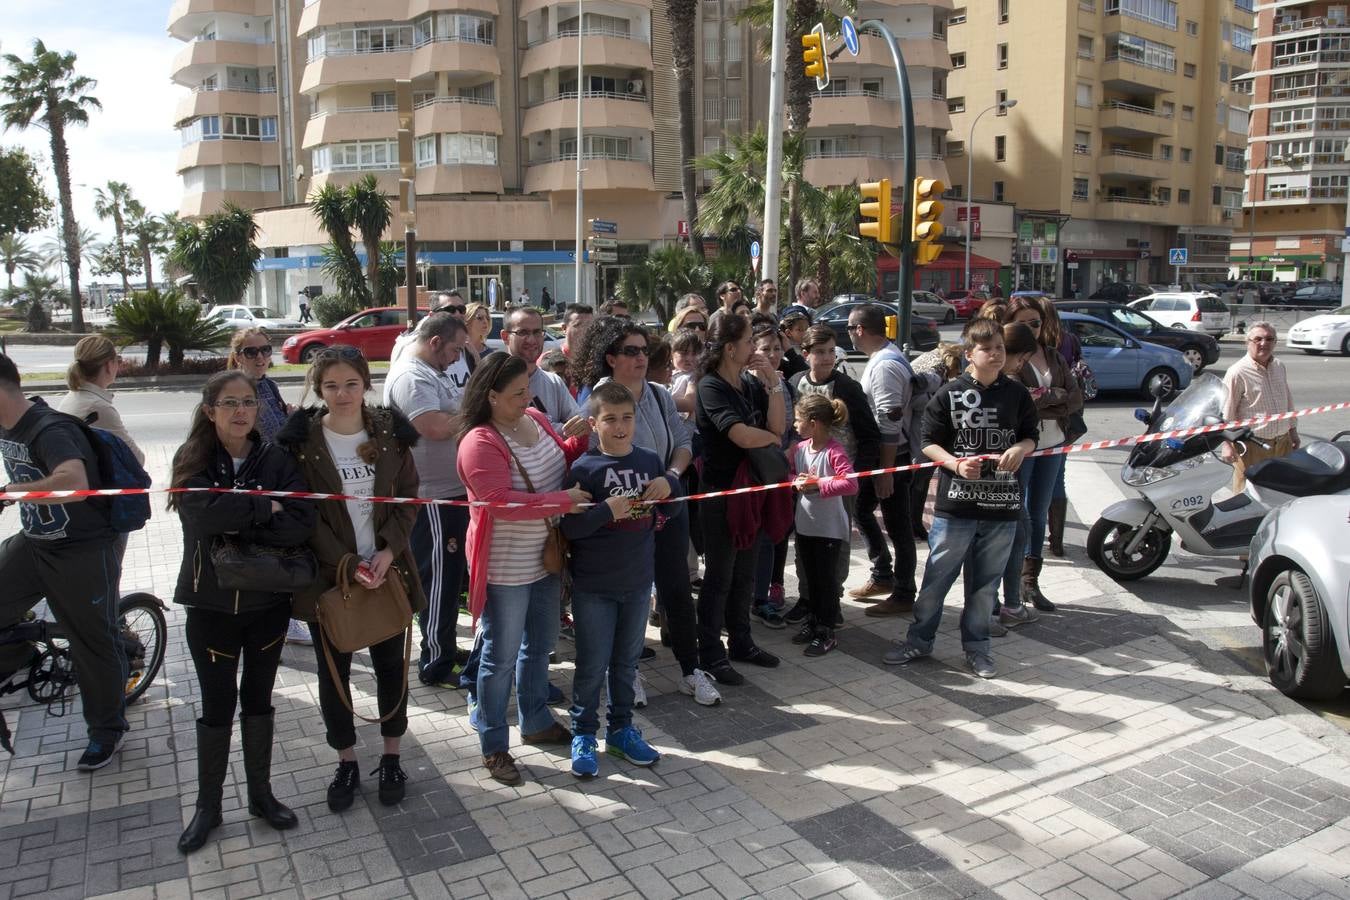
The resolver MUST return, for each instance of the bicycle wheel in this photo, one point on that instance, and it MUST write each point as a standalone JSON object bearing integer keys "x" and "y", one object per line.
{"x": 145, "y": 635}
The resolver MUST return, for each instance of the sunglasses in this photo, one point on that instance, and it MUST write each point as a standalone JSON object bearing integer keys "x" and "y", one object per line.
{"x": 234, "y": 403}
{"x": 456, "y": 308}
{"x": 255, "y": 352}
{"x": 339, "y": 351}
{"x": 633, "y": 351}
{"x": 700, "y": 325}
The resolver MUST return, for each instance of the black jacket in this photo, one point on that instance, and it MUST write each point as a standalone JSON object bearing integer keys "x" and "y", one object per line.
{"x": 205, "y": 515}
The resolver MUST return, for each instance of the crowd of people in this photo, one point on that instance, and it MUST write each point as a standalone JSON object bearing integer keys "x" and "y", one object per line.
{"x": 573, "y": 465}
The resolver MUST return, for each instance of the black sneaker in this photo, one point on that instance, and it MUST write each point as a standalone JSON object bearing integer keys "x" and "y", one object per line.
{"x": 98, "y": 754}
{"x": 804, "y": 635}
{"x": 823, "y": 642}
{"x": 723, "y": 673}
{"x": 757, "y": 656}
{"x": 798, "y": 613}
{"x": 768, "y": 616}
{"x": 345, "y": 784}
{"x": 392, "y": 779}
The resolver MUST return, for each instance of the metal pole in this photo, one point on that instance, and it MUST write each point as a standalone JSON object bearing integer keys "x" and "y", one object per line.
{"x": 580, "y": 250}
{"x": 773, "y": 177}
{"x": 410, "y": 269}
{"x": 970, "y": 183}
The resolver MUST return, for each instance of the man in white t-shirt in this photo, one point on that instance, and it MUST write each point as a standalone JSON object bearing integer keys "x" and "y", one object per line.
{"x": 447, "y": 303}
{"x": 427, "y": 388}
{"x": 524, "y": 332}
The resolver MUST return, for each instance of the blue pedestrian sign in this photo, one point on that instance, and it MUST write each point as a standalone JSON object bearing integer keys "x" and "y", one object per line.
{"x": 1176, "y": 256}
{"x": 754, "y": 249}
{"x": 850, "y": 33}
{"x": 600, "y": 226}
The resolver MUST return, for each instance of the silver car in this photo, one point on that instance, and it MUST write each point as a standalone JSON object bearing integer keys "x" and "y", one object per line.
{"x": 1300, "y": 592}
{"x": 926, "y": 303}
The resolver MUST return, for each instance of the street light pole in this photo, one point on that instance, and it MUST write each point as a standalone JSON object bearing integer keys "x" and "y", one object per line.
{"x": 970, "y": 174}
{"x": 579, "y": 251}
{"x": 773, "y": 175}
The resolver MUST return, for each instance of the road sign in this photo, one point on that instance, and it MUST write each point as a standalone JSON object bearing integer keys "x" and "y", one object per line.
{"x": 974, "y": 214}
{"x": 604, "y": 243}
{"x": 600, "y": 226}
{"x": 754, "y": 249}
{"x": 603, "y": 256}
{"x": 492, "y": 293}
{"x": 850, "y": 33}
{"x": 682, "y": 228}
{"x": 1176, "y": 256}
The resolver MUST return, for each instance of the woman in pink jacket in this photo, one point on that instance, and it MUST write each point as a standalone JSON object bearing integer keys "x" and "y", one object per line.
{"x": 508, "y": 453}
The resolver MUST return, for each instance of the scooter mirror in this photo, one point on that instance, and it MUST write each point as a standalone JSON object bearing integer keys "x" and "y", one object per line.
{"x": 1141, "y": 415}
{"x": 1158, "y": 390}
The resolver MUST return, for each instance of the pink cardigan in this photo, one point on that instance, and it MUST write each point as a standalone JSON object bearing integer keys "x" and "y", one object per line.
{"x": 485, "y": 465}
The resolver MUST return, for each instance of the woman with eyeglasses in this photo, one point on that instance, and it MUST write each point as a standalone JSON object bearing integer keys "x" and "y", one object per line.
{"x": 347, "y": 446}
{"x": 226, "y": 627}
{"x": 251, "y": 353}
{"x": 478, "y": 320}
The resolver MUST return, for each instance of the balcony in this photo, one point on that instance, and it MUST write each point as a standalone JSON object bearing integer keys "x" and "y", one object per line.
{"x": 323, "y": 13}
{"x": 457, "y": 114}
{"x": 201, "y": 58}
{"x": 217, "y": 153}
{"x": 604, "y": 47}
{"x": 602, "y": 109}
{"x": 188, "y": 17}
{"x": 1304, "y": 194}
{"x": 1131, "y": 209}
{"x": 1132, "y": 166}
{"x": 440, "y": 55}
{"x": 524, "y": 8}
{"x": 927, "y": 52}
{"x": 1136, "y": 76}
{"x": 1312, "y": 58}
{"x": 610, "y": 172}
{"x": 1310, "y": 91}
{"x": 215, "y": 103}
{"x": 859, "y": 109}
{"x": 1126, "y": 119}
{"x": 386, "y": 179}
{"x": 462, "y": 180}
{"x": 846, "y": 167}
{"x": 202, "y": 204}
{"x": 349, "y": 123}
{"x": 1293, "y": 26}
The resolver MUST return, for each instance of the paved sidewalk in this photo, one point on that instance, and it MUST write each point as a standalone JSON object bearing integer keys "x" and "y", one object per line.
{"x": 1116, "y": 755}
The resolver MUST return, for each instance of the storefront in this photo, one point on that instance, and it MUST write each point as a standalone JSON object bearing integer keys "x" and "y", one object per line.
{"x": 946, "y": 274}
{"x": 1281, "y": 267}
{"x": 1088, "y": 271}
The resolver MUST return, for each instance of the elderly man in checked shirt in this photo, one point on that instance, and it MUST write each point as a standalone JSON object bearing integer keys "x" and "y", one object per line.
{"x": 1258, "y": 385}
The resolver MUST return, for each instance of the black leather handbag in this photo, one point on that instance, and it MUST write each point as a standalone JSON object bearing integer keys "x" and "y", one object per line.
{"x": 245, "y": 566}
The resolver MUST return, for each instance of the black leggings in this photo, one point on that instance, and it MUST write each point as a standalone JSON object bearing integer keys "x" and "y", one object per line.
{"x": 819, "y": 557}
{"x": 218, "y": 640}
{"x": 387, "y": 659}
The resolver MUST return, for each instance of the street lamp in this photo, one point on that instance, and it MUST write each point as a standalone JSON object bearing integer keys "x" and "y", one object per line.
{"x": 970, "y": 173}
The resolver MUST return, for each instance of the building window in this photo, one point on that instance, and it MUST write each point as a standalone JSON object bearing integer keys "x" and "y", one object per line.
{"x": 383, "y": 100}
{"x": 1164, "y": 195}
{"x": 956, "y": 148}
{"x": 1001, "y": 56}
{"x": 957, "y": 17}
{"x": 958, "y": 60}
{"x": 1216, "y": 195}
{"x": 475, "y": 149}
{"x": 1184, "y": 196}
{"x": 1223, "y": 72}
{"x": 1085, "y": 46}
{"x": 1242, "y": 38}
{"x": 1192, "y": 28}
{"x": 712, "y": 107}
{"x": 1083, "y": 97}
{"x": 267, "y": 126}
{"x": 1002, "y": 11}
{"x": 1155, "y": 12}
{"x": 1132, "y": 48}
{"x": 1187, "y": 113}
{"x": 356, "y": 156}
{"x": 956, "y": 104}
{"x": 731, "y": 108}
{"x": 998, "y": 191}
{"x": 1186, "y": 154}
{"x": 426, "y": 151}
{"x": 1080, "y": 189}
{"x": 712, "y": 42}
{"x": 1218, "y": 154}
{"x": 1165, "y": 152}
{"x": 1082, "y": 143}
{"x": 1168, "y": 109}
{"x": 1000, "y": 148}
{"x": 1188, "y": 70}
{"x": 733, "y": 45}
{"x": 1001, "y": 97}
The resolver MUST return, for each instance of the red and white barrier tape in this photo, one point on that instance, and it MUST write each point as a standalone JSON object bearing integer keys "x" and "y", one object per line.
{"x": 313, "y": 495}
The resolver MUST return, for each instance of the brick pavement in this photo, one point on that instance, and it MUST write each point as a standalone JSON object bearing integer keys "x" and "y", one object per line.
{"x": 1113, "y": 756}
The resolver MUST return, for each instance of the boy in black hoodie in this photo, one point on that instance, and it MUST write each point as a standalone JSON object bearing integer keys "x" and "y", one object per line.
{"x": 981, "y": 412}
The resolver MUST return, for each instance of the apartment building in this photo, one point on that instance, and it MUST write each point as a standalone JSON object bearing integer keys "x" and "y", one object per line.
{"x": 1127, "y": 138}
{"x": 290, "y": 95}
{"x": 1297, "y": 171}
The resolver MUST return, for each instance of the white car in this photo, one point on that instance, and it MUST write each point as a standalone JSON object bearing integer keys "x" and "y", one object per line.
{"x": 252, "y": 317}
{"x": 1196, "y": 311}
{"x": 1327, "y": 333}
{"x": 927, "y": 303}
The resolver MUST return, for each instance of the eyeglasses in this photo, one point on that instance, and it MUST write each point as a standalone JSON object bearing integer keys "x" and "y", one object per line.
{"x": 528, "y": 332}
{"x": 339, "y": 351}
{"x": 701, "y": 326}
{"x": 1260, "y": 340}
{"x": 234, "y": 403}
{"x": 632, "y": 350}
{"x": 255, "y": 352}
{"x": 854, "y": 326}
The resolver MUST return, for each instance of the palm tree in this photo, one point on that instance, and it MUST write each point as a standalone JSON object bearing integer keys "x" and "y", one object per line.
{"x": 114, "y": 204}
{"x": 159, "y": 318}
{"x": 151, "y": 236}
{"x": 370, "y": 213}
{"x": 35, "y": 300}
{"x": 46, "y": 89}
{"x": 664, "y": 276}
{"x": 219, "y": 252}
{"x": 87, "y": 248}
{"x": 329, "y": 205}
{"x": 683, "y": 16}
{"x": 843, "y": 261}
{"x": 15, "y": 254}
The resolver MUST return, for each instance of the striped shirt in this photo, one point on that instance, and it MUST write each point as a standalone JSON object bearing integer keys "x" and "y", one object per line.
{"x": 1257, "y": 390}
{"x": 518, "y": 546}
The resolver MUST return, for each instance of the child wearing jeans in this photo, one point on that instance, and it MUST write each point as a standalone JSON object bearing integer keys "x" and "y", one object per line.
{"x": 979, "y": 501}
{"x": 821, "y": 466}
{"x": 613, "y": 549}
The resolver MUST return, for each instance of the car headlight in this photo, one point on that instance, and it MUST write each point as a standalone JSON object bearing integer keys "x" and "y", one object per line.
{"x": 289, "y": 342}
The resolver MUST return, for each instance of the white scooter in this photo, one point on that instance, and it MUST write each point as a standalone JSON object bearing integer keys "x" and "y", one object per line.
{"x": 1177, "y": 477}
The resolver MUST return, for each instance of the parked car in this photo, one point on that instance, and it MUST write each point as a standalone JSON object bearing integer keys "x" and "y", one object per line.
{"x": 1121, "y": 292}
{"x": 1324, "y": 293}
{"x": 926, "y": 303}
{"x": 372, "y": 331}
{"x": 1327, "y": 333}
{"x": 1199, "y": 348}
{"x": 1122, "y": 362}
{"x": 923, "y": 332}
{"x": 1299, "y": 570}
{"x": 1192, "y": 310}
{"x": 239, "y": 316}
{"x": 967, "y": 302}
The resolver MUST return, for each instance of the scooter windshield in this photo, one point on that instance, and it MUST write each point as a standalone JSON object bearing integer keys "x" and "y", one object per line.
{"x": 1200, "y": 404}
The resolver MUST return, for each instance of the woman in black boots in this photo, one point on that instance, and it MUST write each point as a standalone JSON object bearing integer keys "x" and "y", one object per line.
{"x": 223, "y": 449}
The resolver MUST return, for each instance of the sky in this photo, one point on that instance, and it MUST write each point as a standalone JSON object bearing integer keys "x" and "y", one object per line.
{"x": 123, "y": 45}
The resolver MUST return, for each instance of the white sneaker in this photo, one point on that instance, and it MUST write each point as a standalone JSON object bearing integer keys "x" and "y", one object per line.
{"x": 298, "y": 633}
{"x": 639, "y": 692}
{"x": 699, "y": 685}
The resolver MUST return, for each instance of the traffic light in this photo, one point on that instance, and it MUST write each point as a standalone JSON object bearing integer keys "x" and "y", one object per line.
{"x": 926, "y": 230}
{"x": 879, "y": 210}
{"x": 813, "y": 56}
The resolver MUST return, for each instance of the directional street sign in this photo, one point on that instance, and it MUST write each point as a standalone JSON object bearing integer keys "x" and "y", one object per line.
{"x": 604, "y": 243}
{"x": 850, "y": 33}
{"x": 602, "y": 256}
{"x": 600, "y": 226}
{"x": 1176, "y": 256}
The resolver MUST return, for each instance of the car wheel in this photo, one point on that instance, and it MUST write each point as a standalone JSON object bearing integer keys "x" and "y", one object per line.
{"x": 1107, "y": 543}
{"x": 1161, "y": 377}
{"x": 1315, "y": 352}
{"x": 1345, "y": 346}
{"x": 950, "y": 317}
{"x": 307, "y": 354}
{"x": 1195, "y": 356}
{"x": 1297, "y": 640}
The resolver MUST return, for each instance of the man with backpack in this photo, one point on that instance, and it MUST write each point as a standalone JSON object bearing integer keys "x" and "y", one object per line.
{"x": 888, "y": 383}
{"x": 66, "y": 552}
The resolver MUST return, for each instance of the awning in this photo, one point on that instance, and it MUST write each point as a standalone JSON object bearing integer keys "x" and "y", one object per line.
{"x": 951, "y": 259}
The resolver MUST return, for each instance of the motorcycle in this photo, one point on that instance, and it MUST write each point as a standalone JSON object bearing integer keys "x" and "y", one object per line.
{"x": 1177, "y": 478}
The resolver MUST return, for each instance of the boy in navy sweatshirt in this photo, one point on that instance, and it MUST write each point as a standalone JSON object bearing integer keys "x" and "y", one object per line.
{"x": 612, "y": 564}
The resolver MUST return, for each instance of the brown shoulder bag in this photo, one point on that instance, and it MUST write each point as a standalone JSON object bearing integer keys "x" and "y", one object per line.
{"x": 353, "y": 617}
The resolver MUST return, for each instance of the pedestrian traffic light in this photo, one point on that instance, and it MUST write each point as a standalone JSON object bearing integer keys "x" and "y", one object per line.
{"x": 813, "y": 56}
{"x": 926, "y": 230}
{"x": 879, "y": 210}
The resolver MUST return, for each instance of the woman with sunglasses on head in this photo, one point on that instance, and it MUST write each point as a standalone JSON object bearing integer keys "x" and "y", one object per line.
{"x": 690, "y": 317}
{"x": 347, "y": 446}
{"x": 226, "y": 626}
{"x": 478, "y": 320}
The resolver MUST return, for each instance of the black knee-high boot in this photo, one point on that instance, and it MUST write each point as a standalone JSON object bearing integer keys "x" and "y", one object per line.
{"x": 257, "y": 732}
{"x": 213, "y": 760}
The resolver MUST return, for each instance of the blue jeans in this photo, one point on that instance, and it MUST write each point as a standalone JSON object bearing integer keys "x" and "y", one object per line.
{"x": 609, "y": 630}
{"x": 949, "y": 542}
{"x": 1038, "y": 477}
{"x": 520, "y": 628}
